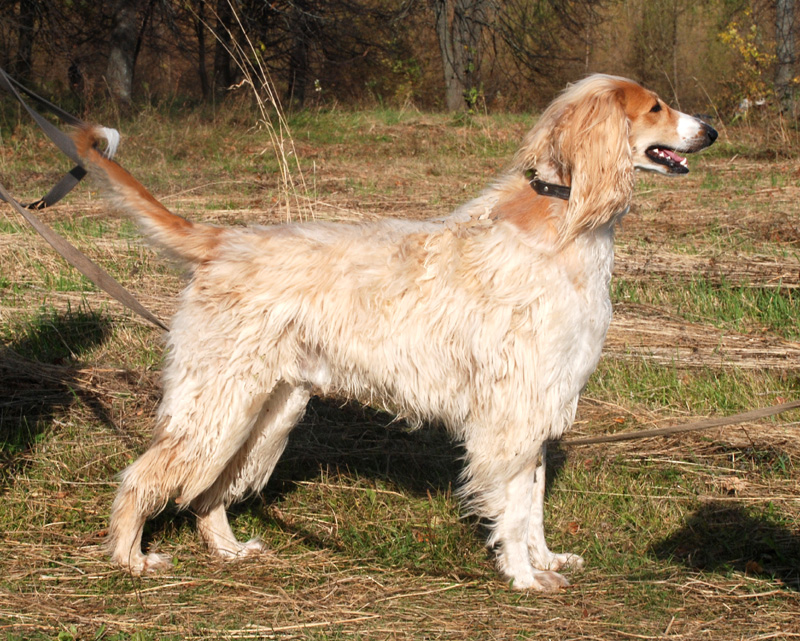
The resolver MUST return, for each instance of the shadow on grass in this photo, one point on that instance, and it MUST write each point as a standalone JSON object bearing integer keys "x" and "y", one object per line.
{"x": 343, "y": 442}
{"x": 37, "y": 377}
{"x": 353, "y": 439}
{"x": 368, "y": 443}
{"x": 362, "y": 443}
{"x": 720, "y": 537}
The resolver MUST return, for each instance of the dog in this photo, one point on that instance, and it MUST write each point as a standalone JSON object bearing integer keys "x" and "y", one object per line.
{"x": 489, "y": 321}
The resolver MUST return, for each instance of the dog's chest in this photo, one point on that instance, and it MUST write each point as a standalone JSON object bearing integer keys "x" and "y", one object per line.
{"x": 584, "y": 312}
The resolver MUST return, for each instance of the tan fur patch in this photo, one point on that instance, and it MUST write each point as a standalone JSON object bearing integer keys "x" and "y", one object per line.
{"x": 530, "y": 212}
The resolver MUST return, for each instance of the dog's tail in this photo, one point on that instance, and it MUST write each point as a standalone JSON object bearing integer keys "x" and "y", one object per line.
{"x": 191, "y": 242}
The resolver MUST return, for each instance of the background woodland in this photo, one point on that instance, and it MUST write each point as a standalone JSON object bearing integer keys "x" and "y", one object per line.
{"x": 718, "y": 57}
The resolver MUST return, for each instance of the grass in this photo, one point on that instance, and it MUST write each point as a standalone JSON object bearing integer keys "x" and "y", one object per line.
{"x": 704, "y": 391}
{"x": 690, "y": 537}
{"x": 740, "y": 307}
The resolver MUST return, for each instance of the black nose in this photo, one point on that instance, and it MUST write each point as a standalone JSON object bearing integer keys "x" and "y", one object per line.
{"x": 708, "y": 130}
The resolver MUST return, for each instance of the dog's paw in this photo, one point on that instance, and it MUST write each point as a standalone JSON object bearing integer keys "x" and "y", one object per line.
{"x": 569, "y": 561}
{"x": 253, "y": 546}
{"x": 551, "y": 561}
{"x": 549, "y": 581}
{"x": 241, "y": 550}
{"x": 540, "y": 581}
{"x": 139, "y": 564}
{"x": 523, "y": 576}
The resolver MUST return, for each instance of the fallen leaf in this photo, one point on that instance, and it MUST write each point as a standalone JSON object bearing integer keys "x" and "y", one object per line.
{"x": 753, "y": 567}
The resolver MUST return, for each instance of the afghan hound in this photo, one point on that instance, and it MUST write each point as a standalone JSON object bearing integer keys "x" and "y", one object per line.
{"x": 489, "y": 321}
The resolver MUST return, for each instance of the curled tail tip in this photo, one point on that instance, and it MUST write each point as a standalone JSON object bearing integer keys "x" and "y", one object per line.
{"x": 187, "y": 241}
{"x": 88, "y": 137}
{"x": 112, "y": 141}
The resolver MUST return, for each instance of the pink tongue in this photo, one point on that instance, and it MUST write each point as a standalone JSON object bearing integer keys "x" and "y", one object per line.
{"x": 678, "y": 159}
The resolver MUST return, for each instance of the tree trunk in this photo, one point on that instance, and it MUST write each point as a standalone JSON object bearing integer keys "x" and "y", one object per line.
{"x": 122, "y": 57}
{"x": 459, "y": 38}
{"x": 298, "y": 71}
{"x": 200, "y": 30}
{"x": 453, "y": 83}
{"x": 23, "y": 60}
{"x": 784, "y": 36}
{"x": 468, "y": 21}
{"x": 675, "y": 78}
{"x": 223, "y": 76}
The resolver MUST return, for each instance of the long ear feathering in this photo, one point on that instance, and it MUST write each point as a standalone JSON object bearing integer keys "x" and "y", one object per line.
{"x": 596, "y": 140}
{"x": 582, "y": 140}
{"x": 187, "y": 241}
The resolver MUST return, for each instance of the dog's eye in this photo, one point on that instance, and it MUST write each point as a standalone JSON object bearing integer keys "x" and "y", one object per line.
{"x": 656, "y": 108}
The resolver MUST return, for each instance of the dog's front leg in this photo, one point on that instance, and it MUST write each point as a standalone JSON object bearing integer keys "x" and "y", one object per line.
{"x": 540, "y": 554}
{"x": 512, "y": 526}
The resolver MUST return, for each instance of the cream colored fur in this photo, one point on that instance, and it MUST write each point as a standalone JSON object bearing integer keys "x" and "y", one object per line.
{"x": 489, "y": 321}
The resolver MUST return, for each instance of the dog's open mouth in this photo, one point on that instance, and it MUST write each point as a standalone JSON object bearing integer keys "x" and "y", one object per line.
{"x": 674, "y": 163}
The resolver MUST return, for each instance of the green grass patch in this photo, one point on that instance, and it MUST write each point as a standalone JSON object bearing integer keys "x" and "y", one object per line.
{"x": 699, "y": 391}
{"x": 54, "y": 336}
{"x": 742, "y": 308}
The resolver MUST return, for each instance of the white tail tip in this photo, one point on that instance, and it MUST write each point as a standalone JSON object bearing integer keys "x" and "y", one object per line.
{"x": 112, "y": 140}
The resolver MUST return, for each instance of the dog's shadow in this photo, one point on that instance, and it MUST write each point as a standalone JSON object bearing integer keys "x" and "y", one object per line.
{"x": 368, "y": 443}
{"x": 724, "y": 538}
{"x": 37, "y": 379}
{"x": 337, "y": 439}
{"x": 352, "y": 439}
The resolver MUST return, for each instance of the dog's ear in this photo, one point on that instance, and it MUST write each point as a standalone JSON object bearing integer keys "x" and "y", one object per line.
{"x": 590, "y": 142}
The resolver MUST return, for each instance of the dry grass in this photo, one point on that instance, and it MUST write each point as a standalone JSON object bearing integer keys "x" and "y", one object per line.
{"x": 696, "y": 537}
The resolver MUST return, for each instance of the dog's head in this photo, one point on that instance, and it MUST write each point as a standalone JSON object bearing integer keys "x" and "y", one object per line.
{"x": 658, "y": 133}
{"x": 593, "y": 136}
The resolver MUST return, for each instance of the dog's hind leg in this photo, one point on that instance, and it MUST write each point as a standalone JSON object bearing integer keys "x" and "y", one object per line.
{"x": 130, "y": 511}
{"x": 146, "y": 487}
{"x": 197, "y": 438}
{"x": 249, "y": 470}
{"x": 541, "y": 556}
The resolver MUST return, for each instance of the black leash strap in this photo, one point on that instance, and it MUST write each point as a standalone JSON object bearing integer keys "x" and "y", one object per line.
{"x": 59, "y": 138}
{"x": 73, "y": 256}
{"x": 61, "y": 189}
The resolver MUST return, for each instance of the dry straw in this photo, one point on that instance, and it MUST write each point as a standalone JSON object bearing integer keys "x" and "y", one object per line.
{"x": 247, "y": 57}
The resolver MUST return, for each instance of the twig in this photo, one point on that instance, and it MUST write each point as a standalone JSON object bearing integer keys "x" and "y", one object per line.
{"x": 406, "y": 595}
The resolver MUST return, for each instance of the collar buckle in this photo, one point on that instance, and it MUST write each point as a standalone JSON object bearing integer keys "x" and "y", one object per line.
{"x": 543, "y": 188}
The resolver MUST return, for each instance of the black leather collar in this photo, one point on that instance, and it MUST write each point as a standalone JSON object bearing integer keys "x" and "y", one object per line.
{"x": 546, "y": 189}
